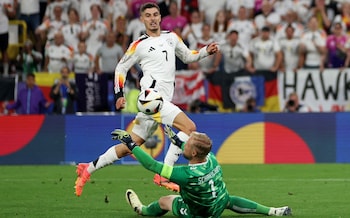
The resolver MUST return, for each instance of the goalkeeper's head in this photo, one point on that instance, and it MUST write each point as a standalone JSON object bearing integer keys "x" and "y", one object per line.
{"x": 198, "y": 146}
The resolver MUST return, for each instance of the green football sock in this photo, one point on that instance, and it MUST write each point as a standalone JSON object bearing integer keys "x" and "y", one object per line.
{"x": 243, "y": 205}
{"x": 153, "y": 209}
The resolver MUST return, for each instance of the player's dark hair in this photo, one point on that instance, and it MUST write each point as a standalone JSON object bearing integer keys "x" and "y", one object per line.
{"x": 290, "y": 27}
{"x": 233, "y": 31}
{"x": 149, "y": 5}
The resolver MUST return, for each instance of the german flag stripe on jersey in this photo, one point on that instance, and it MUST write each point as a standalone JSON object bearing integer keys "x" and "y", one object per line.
{"x": 132, "y": 47}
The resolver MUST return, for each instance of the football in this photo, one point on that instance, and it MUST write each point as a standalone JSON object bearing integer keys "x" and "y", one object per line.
{"x": 149, "y": 101}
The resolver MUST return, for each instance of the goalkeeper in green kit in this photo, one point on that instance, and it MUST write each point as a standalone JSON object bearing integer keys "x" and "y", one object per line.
{"x": 203, "y": 192}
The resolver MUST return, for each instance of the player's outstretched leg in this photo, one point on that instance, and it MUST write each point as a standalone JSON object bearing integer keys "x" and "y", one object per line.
{"x": 153, "y": 209}
{"x": 134, "y": 201}
{"x": 82, "y": 177}
{"x": 84, "y": 170}
{"x": 280, "y": 211}
{"x": 243, "y": 205}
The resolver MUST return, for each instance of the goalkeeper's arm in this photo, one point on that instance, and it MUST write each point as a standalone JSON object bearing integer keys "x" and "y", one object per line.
{"x": 145, "y": 159}
{"x": 150, "y": 164}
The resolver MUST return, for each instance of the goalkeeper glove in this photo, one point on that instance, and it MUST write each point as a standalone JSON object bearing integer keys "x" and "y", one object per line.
{"x": 172, "y": 136}
{"x": 124, "y": 137}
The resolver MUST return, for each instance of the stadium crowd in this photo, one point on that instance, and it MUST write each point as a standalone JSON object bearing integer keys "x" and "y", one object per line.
{"x": 92, "y": 35}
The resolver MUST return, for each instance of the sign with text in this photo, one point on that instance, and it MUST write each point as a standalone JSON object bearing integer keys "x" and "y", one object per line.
{"x": 320, "y": 91}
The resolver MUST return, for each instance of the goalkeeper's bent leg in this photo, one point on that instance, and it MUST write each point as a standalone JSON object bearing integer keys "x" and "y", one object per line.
{"x": 174, "y": 152}
{"x": 153, "y": 209}
{"x": 243, "y": 205}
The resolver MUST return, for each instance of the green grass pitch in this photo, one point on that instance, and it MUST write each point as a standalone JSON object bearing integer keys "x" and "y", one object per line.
{"x": 312, "y": 190}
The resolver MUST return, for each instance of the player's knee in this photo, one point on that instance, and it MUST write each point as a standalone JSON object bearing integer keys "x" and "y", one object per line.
{"x": 166, "y": 202}
{"x": 137, "y": 139}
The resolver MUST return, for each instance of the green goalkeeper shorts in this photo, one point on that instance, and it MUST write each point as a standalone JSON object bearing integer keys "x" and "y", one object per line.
{"x": 180, "y": 208}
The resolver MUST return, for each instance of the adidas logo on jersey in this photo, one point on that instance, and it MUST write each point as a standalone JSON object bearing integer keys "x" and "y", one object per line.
{"x": 151, "y": 49}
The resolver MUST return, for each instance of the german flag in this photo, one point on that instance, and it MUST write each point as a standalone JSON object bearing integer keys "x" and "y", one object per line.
{"x": 219, "y": 85}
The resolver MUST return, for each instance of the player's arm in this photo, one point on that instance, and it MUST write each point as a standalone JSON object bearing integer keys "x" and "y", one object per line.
{"x": 188, "y": 56}
{"x": 144, "y": 158}
{"x": 121, "y": 70}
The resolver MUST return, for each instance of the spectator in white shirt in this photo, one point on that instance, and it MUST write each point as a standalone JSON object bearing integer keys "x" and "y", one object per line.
{"x": 50, "y": 14}
{"x": 209, "y": 8}
{"x": 72, "y": 30}
{"x": 7, "y": 11}
{"x": 233, "y": 7}
{"x": 85, "y": 9}
{"x": 290, "y": 47}
{"x": 193, "y": 30}
{"x": 268, "y": 17}
{"x": 95, "y": 30}
{"x": 291, "y": 18}
{"x": 244, "y": 27}
{"x": 219, "y": 27}
{"x": 112, "y": 9}
{"x": 266, "y": 52}
{"x": 57, "y": 54}
{"x": 210, "y": 64}
{"x": 48, "y": 27}
{"x": 235, "y": 56}
{"x": 313, "y": 46}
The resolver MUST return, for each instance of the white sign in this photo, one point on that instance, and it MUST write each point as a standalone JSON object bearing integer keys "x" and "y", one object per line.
{"x": 328, "y": 91}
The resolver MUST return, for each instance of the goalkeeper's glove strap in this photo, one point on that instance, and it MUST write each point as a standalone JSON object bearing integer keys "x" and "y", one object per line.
{"x": 119, "y": 94}
{"x": 178, "y": 141}
{"x": 131, "y": 145}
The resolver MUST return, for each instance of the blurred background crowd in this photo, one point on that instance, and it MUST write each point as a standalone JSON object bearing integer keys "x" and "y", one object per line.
{"x": 90, "y": 37}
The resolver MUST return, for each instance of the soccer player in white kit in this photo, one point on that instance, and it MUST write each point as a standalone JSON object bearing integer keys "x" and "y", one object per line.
{"x": 155, "y": 52}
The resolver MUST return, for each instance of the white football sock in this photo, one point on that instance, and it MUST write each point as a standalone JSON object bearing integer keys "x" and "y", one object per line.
{"x": 108, "y": 158}
{"x": 174, "y": 152}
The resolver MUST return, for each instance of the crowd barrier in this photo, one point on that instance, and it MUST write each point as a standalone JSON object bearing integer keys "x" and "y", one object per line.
{"x": 238, "y": 138}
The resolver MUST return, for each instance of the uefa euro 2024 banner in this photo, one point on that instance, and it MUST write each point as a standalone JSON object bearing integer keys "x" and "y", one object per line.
{"x": 327, "y": 91}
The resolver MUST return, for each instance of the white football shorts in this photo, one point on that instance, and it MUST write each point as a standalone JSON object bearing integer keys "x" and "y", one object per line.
{"x": 146, "y": 125}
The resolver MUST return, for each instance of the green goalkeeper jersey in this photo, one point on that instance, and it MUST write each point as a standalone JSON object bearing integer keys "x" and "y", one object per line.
{"x": 201, "y": 185}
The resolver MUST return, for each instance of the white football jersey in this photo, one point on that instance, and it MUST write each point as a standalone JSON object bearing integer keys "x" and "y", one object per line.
{"x": 4, "y": 21}
{"x": 156, "y": 57}
{"x": 290, "y": 49}
{"x": 234, "y": 57}
{"x": 264, "y": 53}
{"x": 246, "y": 30}
{"x": 234, "y": 5}
{"x": 71, "y": 34}
{"x": 63, "y": 4}
{"x": 313, "y": 57}
{"x": 209, "y": 8}
{"x": 56, "y": 54}
{"x": 93, "y": 42}
{"x": 52, "y": 27}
